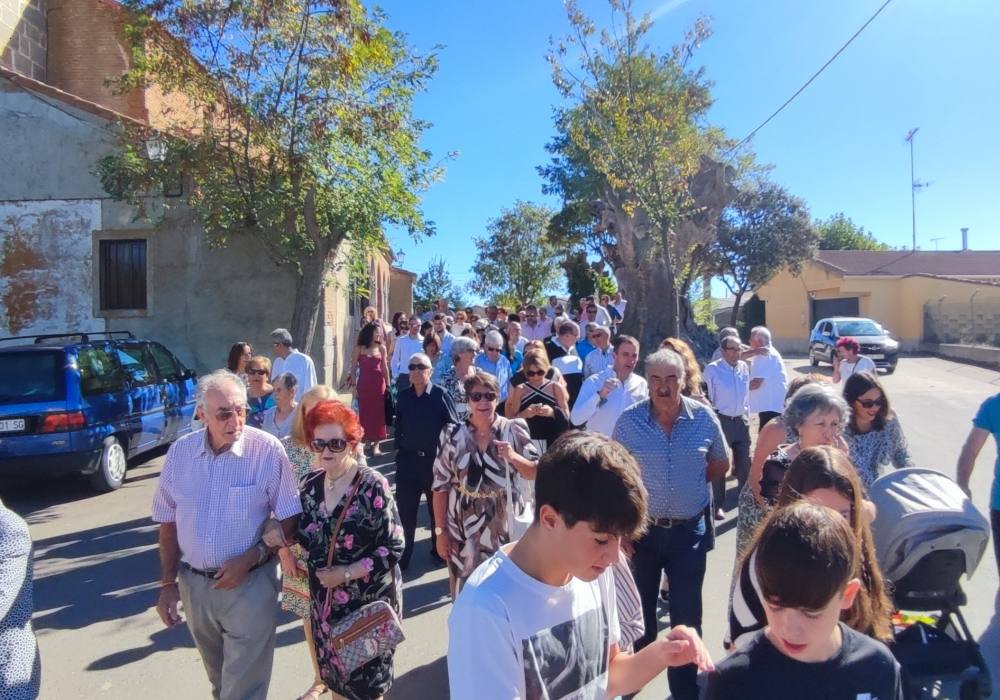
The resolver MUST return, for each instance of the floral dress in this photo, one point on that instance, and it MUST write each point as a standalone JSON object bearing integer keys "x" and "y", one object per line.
{"x": 871, "y": 450}
{"x": 455, "y": 388}
{"x": 750, "y": 512}
{"x": 371, "y": 534}
{"x": 295, "y": 594}
{"x": 476, "y": 484}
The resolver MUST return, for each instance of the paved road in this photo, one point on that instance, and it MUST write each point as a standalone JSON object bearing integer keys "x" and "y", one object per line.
{"x": 96, "y": 570}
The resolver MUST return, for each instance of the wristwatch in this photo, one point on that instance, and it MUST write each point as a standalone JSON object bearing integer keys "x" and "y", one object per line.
{"x": 347, "y": 574}
{"x": 438, "y": 531}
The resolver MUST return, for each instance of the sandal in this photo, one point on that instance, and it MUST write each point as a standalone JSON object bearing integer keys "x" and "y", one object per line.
{"x": 315, "y": 692}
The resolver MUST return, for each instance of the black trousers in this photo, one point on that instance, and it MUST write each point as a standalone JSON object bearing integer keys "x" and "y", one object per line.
{"x": 765, "y": 417}
{"x": 737, "y": 433}
{"x": 414, "y": 476}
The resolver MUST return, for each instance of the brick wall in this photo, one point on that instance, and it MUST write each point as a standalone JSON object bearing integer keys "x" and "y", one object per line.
{"x": 23, "y": 37}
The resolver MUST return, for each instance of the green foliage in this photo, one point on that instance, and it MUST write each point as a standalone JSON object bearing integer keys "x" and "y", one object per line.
{"x": 584, "y": 278}
{"x": 763, "y": 231}
{"x": 840, "y": 233}
{"x": 704, "y": 314}
{"x": 295, "y": 128}
{"x": 435, "y": 283}
{"x": 516, "y": 261}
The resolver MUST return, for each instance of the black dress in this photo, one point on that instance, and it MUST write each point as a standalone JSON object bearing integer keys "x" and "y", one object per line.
{"x": 543, "y": 428}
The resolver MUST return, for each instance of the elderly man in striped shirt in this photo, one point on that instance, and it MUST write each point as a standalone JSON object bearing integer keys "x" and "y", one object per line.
{"x": 218, "y": 491}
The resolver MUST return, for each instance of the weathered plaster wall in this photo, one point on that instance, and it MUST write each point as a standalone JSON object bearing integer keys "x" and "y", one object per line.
{"x": 46, "y": 266}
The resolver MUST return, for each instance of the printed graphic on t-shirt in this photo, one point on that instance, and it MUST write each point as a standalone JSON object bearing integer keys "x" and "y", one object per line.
{"x": 562, "y": 661}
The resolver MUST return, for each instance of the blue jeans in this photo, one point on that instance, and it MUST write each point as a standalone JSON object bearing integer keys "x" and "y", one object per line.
{"x": 680, "y": 551}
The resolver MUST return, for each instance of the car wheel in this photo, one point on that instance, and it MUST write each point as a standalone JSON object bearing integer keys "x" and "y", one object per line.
{"x": 813, "y": 361}
{"x": 890, "y": 368}
{"x": 110, "y": 472}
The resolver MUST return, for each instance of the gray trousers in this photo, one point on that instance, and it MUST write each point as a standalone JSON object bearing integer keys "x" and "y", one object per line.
{"x": 737, "y": 434}
{"x": 234, "y": 630}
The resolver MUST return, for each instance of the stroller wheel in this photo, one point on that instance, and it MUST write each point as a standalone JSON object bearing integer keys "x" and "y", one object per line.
{"x": 975, "y": 685}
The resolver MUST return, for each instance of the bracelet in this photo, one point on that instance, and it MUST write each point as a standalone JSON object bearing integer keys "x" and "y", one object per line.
{"x": 347, "y": 574}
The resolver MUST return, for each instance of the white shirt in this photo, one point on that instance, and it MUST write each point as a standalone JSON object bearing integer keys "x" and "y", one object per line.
{"x": 299, "y": 364}
{"x": 597, "y": 360}
{"x": 541, "y": 331}
{"x": 769, "y": 396}
{"x": 728, "y": 387}
{"x": 601, "y": 415}
{"x": 512, "y": 636}
{"x": 219, "y": 502}
{"x": 620, "y": 305}
{"x": 603, "y": 317}
{"x": 862, "y": 364}
{"x": 406, "y": 347}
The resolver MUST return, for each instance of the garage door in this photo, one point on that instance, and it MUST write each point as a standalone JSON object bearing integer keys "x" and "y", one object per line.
{"x": 823, "y": 308}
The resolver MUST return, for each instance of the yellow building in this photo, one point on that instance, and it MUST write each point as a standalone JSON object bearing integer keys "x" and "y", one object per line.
{"x": 895, "y": 288}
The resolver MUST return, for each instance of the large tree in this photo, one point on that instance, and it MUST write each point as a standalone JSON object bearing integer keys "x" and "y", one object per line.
{"x": 840, "y": 233}
{"x": 516, "y": 262}
{"x": 632, "y": 163}
{"x": 763, "y": 231}
{"x": 296, "y": 130}
{"x": 436, "y": 283}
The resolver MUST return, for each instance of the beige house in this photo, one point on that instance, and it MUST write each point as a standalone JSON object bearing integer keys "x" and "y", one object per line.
{"x": 899, "y": 289}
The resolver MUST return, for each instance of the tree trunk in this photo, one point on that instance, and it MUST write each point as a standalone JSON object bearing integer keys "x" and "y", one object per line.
{"x": 735, "y": 316}
{"x": 308, "y": 300}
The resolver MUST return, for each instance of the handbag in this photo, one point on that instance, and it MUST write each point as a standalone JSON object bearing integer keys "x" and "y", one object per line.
{"x": 371, "y": 630}
{"x": 390, "y": 406}
{"x": 517, "y": 524}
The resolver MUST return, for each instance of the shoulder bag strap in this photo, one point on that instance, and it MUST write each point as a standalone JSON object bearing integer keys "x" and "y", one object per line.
{"x": 343, "y": 513}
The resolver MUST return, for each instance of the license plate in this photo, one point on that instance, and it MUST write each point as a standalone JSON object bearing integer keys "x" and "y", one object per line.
{"x": 11, "y": 425}
{"x": 877, "y": 357}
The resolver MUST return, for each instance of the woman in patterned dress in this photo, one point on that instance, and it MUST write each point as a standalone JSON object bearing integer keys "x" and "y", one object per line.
{"x": 816, "y": 414}
{"x": 368, "y": 545}
{"x": 873, "y": 434}
{"x": 295, "y": 595}
{"x": 463, "y": 354}
{"x": 260, "y": 392}
{"x": 474, "y": 461}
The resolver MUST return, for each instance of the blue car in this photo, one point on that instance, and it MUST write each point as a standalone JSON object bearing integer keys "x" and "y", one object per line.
{"x": 87, "y": 403}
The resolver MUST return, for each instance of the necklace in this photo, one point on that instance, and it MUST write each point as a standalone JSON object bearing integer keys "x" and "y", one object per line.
{"x": 331, "y": 484}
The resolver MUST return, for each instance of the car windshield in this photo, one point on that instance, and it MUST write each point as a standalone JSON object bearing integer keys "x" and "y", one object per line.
{"x": 30, "y": 377}
{"x": 863, "y": 327}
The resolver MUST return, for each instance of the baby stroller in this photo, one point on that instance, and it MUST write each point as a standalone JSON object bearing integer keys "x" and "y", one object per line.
{"x": 927, "y": 534}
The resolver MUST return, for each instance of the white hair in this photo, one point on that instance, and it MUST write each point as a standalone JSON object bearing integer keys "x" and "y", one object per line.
{"x": 494, "y": 337}
{"x": 217, "y": 381}
{"x": 666, "y": 356}
{"x": 421, "y": 358}
{"x": 763, "y": 333}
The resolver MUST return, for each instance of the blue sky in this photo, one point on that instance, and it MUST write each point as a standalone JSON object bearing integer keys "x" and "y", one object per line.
{"x": 839, "y": 146}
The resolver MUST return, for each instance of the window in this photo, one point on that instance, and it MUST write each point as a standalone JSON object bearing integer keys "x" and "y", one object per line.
{"x": 99, "y": 373}
{"x": 166, "y": 364}
{"x": 138, "y": 365}
{"x": 122, "y": 266}
{"x": 32, "y": 376}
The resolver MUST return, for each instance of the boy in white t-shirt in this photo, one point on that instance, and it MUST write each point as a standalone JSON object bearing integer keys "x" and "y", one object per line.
{"x": 538, "y": 619}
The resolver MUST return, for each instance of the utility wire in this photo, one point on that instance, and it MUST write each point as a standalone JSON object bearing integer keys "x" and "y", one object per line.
{"x": 814, "y": 76}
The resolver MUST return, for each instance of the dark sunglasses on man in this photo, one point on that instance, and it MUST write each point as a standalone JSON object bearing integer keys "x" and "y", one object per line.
{"x": 417, "y": 368}
{"x": 335, "y": 445}
{"x": 224, "y": 414}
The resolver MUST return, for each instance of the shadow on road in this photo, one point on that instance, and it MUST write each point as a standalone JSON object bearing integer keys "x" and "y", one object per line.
{"x": 428, "y": 681}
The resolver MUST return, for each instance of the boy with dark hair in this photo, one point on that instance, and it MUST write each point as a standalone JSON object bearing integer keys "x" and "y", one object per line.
{"x": 538, "y": 619}
{"x": 806, "y": 556}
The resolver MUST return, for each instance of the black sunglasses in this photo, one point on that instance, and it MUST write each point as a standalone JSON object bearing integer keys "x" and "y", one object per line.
{"x": 869, "y": 403}
{"x": 416, "y": 368}
{"x": 534, "y": 372}
{"x": 335, "y": 445}
{"x": 224, "y": 414}
{"x": 261, "y": 372}
{"x": 489, "y": 349}
{"x": 477, "y": 396}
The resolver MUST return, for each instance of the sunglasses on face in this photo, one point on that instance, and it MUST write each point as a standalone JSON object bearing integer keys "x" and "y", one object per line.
{"x": 259, "y": 372}
{"x": 489, "y": 349}
{"x": 871, "y": 403}
{"x": 534, "y": 372}
{"x": 417, "y": 368}
{"x": 335, "y": 445}
{"x": 477, "y": 396}
{"x": 224, "y": 414}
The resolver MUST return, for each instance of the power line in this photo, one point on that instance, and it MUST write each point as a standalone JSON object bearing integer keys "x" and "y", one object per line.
{"x": 814, "y": 76}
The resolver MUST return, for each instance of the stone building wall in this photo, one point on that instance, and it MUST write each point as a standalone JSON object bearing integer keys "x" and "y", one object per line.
{"x": 24, "y": 37}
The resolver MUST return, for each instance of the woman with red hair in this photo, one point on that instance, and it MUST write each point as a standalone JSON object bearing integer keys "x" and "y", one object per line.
{"x": 848, "y": 360}
{"x": 367, "y": 548}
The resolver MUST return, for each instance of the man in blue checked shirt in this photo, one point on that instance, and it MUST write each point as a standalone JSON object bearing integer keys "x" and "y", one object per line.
{"x": 680, "y": 448}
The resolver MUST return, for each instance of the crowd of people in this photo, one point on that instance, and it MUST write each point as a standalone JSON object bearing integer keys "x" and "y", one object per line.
{"x": 568, "y": 496}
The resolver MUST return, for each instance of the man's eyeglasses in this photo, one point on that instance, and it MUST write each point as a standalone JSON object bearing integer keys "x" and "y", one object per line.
{"x": 224, "y": 414}
{"x": 491, "y": 349}
{"x": 417, "y": 368}
{"x": 534, "y": 373}
{"x": 477, "y": 396}
{"x": 259, "y": 372}
{"x": 335, "y": 445}
{"x": 871, "y": 403}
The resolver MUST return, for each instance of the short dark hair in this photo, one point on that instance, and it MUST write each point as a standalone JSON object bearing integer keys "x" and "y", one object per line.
{"x": 861, "y": 383}
{"x": 587, "y": 477}
{"x": 625, "y": 339}
{"x": 568, "y": 327}
{"x": 481, "y": 378}
{"x": 805, "y": 555}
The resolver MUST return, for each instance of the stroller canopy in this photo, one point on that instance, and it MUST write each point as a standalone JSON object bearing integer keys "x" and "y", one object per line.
{"x": 921, "y": 511}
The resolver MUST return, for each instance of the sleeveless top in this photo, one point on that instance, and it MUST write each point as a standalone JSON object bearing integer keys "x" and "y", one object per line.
{"x": 543, "y": 427}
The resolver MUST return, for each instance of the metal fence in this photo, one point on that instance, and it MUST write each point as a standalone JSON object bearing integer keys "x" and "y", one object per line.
{"x": 972, "y": 322}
